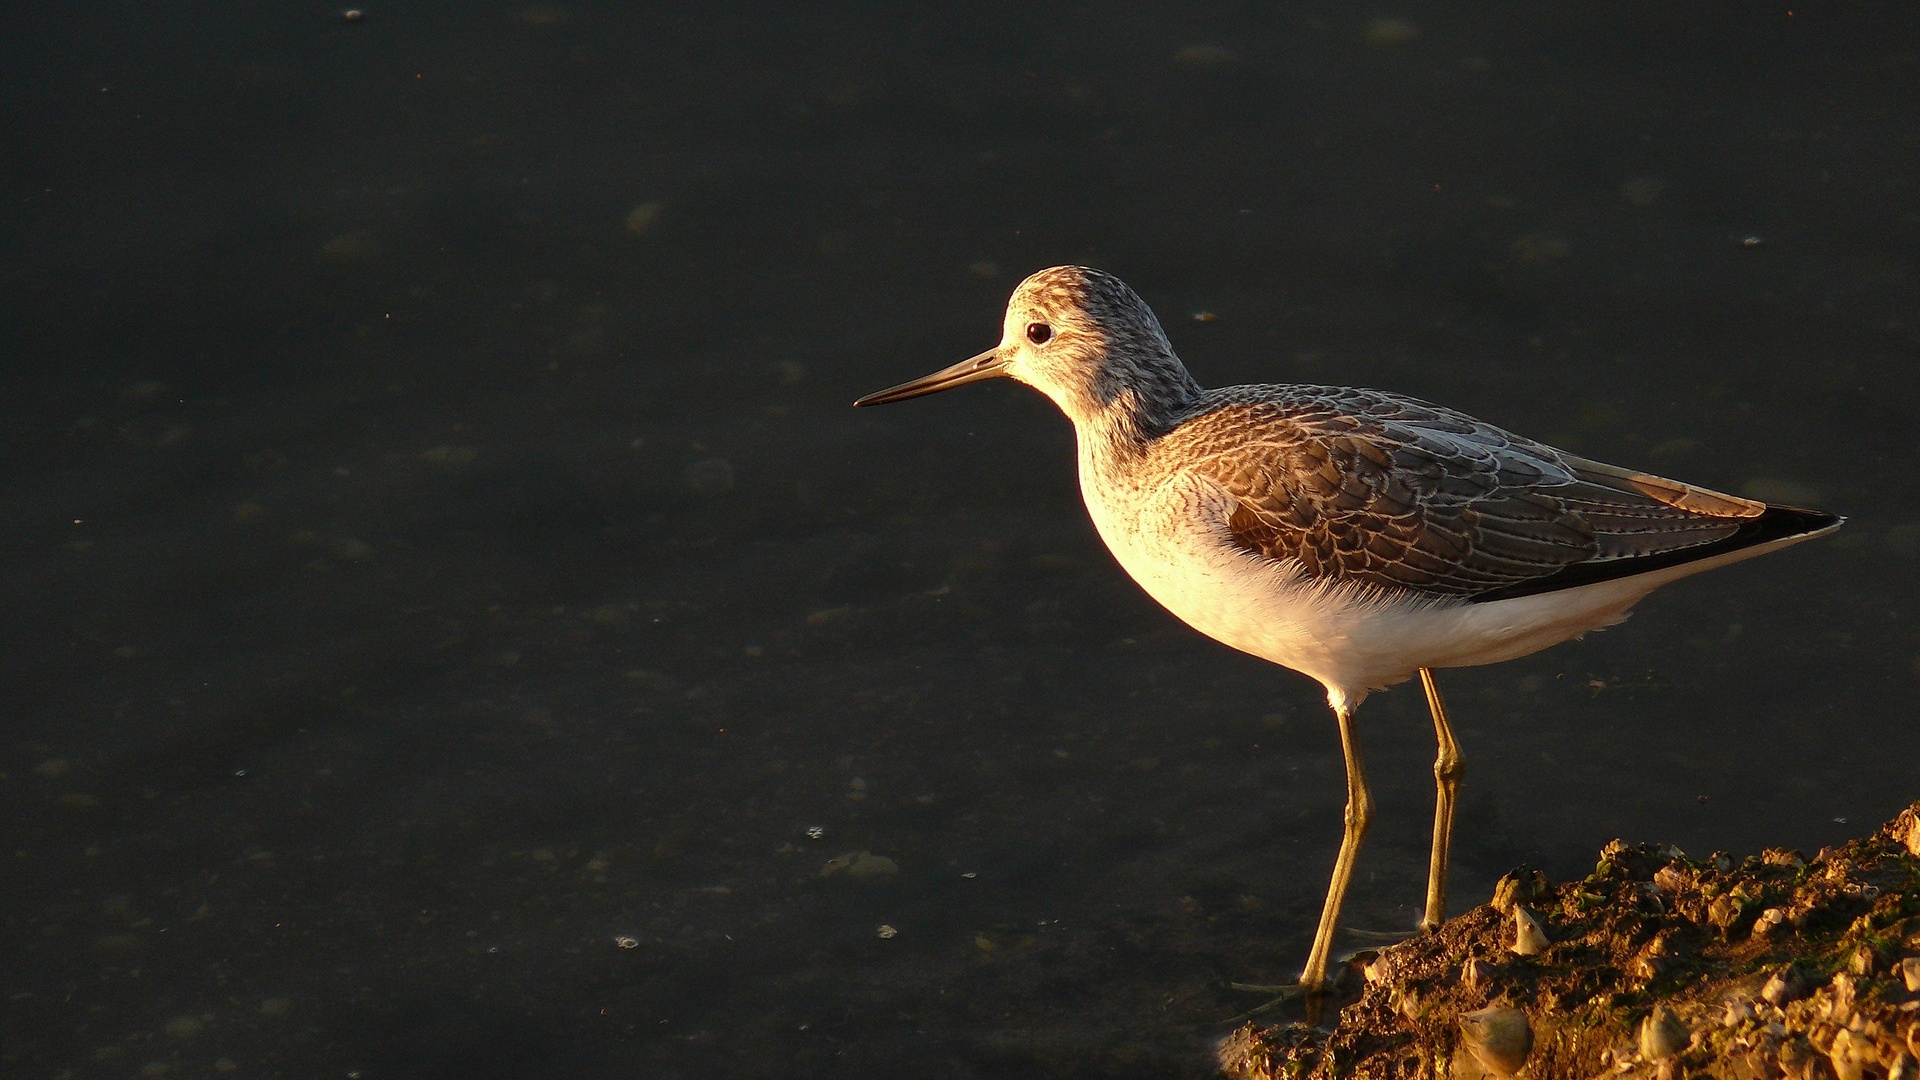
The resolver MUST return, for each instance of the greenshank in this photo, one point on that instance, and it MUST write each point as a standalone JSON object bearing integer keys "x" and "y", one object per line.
{"x": 1356, "y": 536}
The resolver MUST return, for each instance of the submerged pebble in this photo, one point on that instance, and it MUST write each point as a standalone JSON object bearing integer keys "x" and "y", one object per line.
{"x": 450, "y": 455}
{"x": 1206, "y": 56}
{"x": 360, "y": 245}
{"x": 184, "y": 1026}
{"x": 710, "y": 476}
{"x": 1386, "y": 31}
{"x": 640, "y": 220}
{"x": 861, "y": 866}
{"x": 1642, "y": 191}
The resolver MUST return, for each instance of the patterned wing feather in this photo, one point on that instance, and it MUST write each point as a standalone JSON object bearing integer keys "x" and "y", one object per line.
{"x": 1387, "y": 491}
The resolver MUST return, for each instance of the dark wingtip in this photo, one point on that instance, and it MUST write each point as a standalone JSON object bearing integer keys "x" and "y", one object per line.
{"x": 1781, "y": 521}
{"x": 1773, "y": 523}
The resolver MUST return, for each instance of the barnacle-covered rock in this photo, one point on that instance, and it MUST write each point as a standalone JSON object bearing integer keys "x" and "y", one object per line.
{"x": 1660, "y": 966}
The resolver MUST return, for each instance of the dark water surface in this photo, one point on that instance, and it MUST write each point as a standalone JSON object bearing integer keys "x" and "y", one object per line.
{"x": 446, "y": 589}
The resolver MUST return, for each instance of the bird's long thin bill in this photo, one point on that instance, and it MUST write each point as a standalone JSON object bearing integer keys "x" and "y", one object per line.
{"x": 988, "y": 365}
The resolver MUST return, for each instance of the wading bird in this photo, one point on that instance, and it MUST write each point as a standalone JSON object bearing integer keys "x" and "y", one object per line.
{"x": 1356, "y": 536}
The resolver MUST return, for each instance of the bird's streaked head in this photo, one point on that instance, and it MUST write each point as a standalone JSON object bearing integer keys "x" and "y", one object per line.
{"x": 1082, "y": 338}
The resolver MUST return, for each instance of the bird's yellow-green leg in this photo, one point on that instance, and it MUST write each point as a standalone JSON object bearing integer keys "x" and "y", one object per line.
{"x": 1358, "y": 816}
{"x": 1448, "y": 767}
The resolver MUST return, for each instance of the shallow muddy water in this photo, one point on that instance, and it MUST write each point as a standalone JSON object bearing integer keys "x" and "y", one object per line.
{"x": 456, "y": 623}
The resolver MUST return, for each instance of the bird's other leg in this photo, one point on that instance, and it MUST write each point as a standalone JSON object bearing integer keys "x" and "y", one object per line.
{"x": 1448, "y": 767}
{"x": 1358, "y": 816}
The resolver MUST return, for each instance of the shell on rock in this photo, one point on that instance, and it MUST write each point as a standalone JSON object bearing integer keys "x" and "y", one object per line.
{"x": 1529, "y": 937}
{"x": 1476, "y": 973}
{"x": 1663, "y": 1035}
{"x": 1906, "y": 829}
{"x": 1783, "y": 986}
{"x": 1850, "y": 1052}
{"x": 1498, "y": 1037}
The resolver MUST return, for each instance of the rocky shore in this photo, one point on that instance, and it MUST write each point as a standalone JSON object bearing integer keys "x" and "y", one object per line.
{"x": 1656, "y": 965}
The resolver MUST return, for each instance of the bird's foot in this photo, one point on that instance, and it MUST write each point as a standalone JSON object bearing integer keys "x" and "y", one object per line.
{"x": 1342, "y": 987}
{"x": 1278, "y": 995}
{"x": 1388, "y": 936}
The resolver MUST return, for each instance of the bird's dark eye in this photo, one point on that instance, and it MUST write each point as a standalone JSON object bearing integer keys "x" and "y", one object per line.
{"x": 1039, "y": 333}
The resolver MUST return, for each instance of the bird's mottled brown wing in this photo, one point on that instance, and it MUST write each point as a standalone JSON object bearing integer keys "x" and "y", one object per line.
{"x": 1377, "y": 489}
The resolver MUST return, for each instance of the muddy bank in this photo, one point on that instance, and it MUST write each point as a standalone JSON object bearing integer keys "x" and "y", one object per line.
{"x": 1654, "y": 965}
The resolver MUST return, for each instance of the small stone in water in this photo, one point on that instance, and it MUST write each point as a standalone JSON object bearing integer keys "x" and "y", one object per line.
{"x": 449, "y": 455}
{"x": 1386, "y": 31}
{"x": 1538, "y": 248}
{"x": 641, "y": 218}
{"x": 1206, "y": 56}
{"x": 1642, "y": 190}
{"x": 360, "y": 245}
{"x": 144, "y": 392}
{"x": 861, "y": 866}
{"x": 184, "y": 1027}
{"x": 710, "y": 476}
{"x": 886, "y": 932}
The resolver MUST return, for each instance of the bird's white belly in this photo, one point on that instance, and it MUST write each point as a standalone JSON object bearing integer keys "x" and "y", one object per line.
{"x": 1352, "y": 640}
